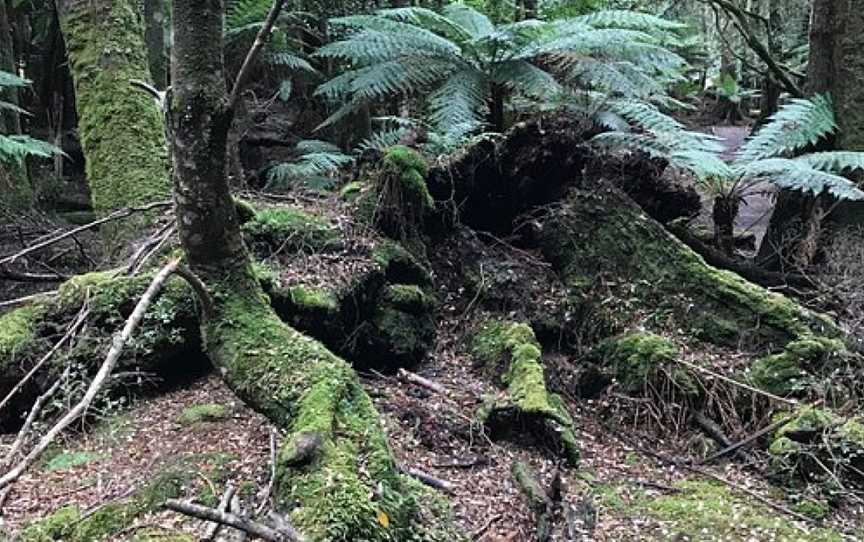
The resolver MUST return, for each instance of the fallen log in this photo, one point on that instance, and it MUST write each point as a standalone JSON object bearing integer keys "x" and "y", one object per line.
{"x": 231, "y": 520}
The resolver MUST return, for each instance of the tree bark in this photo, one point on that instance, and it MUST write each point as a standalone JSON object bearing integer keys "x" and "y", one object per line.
{"x": 121, "y": 128}
{"x": 348, "y": 482}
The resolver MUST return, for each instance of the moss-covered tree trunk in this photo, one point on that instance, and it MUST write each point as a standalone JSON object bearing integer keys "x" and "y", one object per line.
{"x": 335, "y": 474}
{"x": 120, "y": 127}
{"x": 15, "y": 189}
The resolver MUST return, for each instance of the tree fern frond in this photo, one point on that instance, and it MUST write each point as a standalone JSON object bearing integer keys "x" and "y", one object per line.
{"x": 621, "y": 141}
{"x": 795, "y": 126}
{"x": 313, "y": 146}
{"x": 314, "y": 169}
{"x": 370, "y": 46}
{"x": 526, "y": 78}
{"x": 474, "y": 22}
{"x": 701, "y": 163}
{"x": 11, "y": 80}
{"x": 834, "y": 161}
{"x": 383, "y": 139}
{"x": 12, "y": 107}
{"x": 615, "y": 18}
{"x": 290, "y": 61}
{"x": 242, "y": 13}
{"x": 459, "y": 104}
{"x": 799, "y": 175}
{"x": 429, "y": 20}
{"x": 15, "y": 148}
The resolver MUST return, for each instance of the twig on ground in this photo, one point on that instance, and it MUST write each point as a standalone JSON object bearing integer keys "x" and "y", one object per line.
{"x": 83, "y": 313}
{"x": 224, "y": 506}
{"x": 742, "y": 385}
{"x": 413, "y": 378}
{"x": 31, "y": 417}
{"x": 428, "y": 479}
{"x": 101, "y": 377}
{"x": 20, "y": 276}
{"x": 272, "y": 482}
{"x": 226, "y": 518}
{"x": 732, "y": 447}
{"x": 116, "y": 215}
{"x": 27, "y": 299}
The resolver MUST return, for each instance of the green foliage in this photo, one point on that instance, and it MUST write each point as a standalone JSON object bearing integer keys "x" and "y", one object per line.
{"x": 68, "y": 460}
{"x": 209, "y": 412}
{"x": 15, "y": 148}
{"x": 459, "y": 59}
{"x": 317, "y": 166}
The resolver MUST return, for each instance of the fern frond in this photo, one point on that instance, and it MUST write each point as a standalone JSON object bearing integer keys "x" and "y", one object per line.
{"x": 459, "y": 104}
{"x": 429, "y": 20}
{"x": 795, "y": 126}
{"x": 242, "y": 13}
{"x": 475, "y": 23}
{"x": 11, "y": 80}
{"x": 799, "y": 175}
{"x": 371, "y": 46}
{"x": 616, "y": 18}
{"x": 15, "y": 148}
{"x": 290, "y": 61}
{"x": 8, "y": 106}
{"x": 310, "y": 146}
{"x": 315, "y": 169}
{"x": 834, "y": 161}
{"x": 526, "y": 78}
{"x": 383, "y": 139}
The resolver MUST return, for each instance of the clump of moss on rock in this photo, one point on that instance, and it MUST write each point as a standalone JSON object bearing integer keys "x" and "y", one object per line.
{"x": 287, "y": 228}
{"x": 209, "y": 412}
{"x": 636, "y": 360}
{"x": 511, "y": 353}
{"x": 791, "y": 371}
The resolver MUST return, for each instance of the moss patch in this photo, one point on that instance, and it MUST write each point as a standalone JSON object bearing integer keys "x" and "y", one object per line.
{"x": 17, "y": 333}
{"x": 286, "y": 228}
{"x": 790, "y": 372}
{"x": 68, "y": 460}
{"x": 512, "y": 349}
{"x": 211, "y": 412}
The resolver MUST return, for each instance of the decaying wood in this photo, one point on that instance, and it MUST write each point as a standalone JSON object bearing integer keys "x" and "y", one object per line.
{"x": 101, "y": 377}
{"x": 413, "y": 378}
{"x": 224, "y": 506}
{"x": 735, "y": 446}
{"x": 231, "y": 520}
{"x": 428, "y": 479}
{"x": 714, "y": 431}
{"x": 538, "y": 499}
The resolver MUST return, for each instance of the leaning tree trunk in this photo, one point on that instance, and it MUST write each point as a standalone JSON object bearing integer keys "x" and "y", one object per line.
{"x": 120, "y": 128}
{"x": 15, "y": 189}
{"x": 836, "y": 67}
{"x": 335, "y": 475}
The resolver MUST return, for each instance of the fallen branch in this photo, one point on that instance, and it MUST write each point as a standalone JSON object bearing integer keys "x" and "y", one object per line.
{"x": 224, "y": 506}
{"x": 31, "y": 417}
{"x": 428, "y": 479}
{"x": 413, "y": 378}
{"x": 26, "y": 299}
{"x": 732, "y": 447}
{"x": 714, "y": 431}
{"x": 116, "y": 215}
{"x": 20, "y": 276}
{"x": 70, "y": 332}
{"x": 226, "y": 518}
{"x": 101, "y": 377}
{"x": 742, "y": 385}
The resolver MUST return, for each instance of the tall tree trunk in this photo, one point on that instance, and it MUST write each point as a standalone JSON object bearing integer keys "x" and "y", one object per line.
{"x": 836, "y": 67}
{"x": 771, "y": 89}
{"x": 154, "y": 35}
{"x": 335, "y": 472}
{"x": 15, "y": 189}
{"x": 121, "y": 128}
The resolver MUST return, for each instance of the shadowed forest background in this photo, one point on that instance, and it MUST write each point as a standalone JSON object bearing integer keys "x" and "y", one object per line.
{"x": 429, "y": 271}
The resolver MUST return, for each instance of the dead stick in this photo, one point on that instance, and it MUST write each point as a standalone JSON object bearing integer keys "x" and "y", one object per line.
{"x": 732, "y": 447}
{"x": 118, "y": 342}
{"x": 31, "y": 417}
{"x": 79, "y": 320}
{"x": 121, "y": 213}
{"x": 413, "y": 378}
{"x": 231, "y": 520}
{"x": 736, "y": 383}
{"x": 224, "y": 505}
{"x": 27, "y": 299}
{"x": 428, "y": 479}
{"x": 261, "y": 38}
{"x": 272, "y": 481}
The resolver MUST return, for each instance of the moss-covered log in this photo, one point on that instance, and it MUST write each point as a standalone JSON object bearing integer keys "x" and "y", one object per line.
{"x": 510, "y": 353}
{"x": 121, "y": 128}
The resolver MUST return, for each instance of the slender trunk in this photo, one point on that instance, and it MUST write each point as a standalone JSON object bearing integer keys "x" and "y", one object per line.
{"x": 724, "y": 213}
{"x": 292, "y": 379}
{"x": 771, "y": 89}
{"x": 154, "y": 35}
{"x": 15, "y": 189}
{"x": 121, "y": 128}
{"x": 496, "y": 108}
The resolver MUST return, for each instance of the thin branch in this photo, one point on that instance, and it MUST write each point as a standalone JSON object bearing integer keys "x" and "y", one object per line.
{"x": 742, "y": 385}
{"x": 31, "y": 417}
{"x": 231, "y": 520}
{"x": 261, "y": 38}
{"x": 20, "y": 276}
{"x": 224, "y": 506}
{"x": 83, "y": 313}
{"x": 116, "y": 215}
{"x": 27, "y": 299}
{"x": 732, "y": 447}
{"x": 101, "y": 377}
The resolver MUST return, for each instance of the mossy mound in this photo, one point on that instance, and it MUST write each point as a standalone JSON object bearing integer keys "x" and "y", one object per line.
{"x": 209, "y": 412}
{"x": 819, "y": 446}
{"x": 606, "y": 247}
{"x": 639, "y": 359}
{"x": 795, "y": 370}
{"x": 291, "y": 230}
{"x": 511, "y": 353}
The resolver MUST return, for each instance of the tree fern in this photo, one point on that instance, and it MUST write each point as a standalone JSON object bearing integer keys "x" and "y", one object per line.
{"x": 797, "y": 125}
{"x": 454, "y": 60}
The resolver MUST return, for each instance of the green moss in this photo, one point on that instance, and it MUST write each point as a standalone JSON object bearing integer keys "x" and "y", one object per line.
{"x": 399, "y": 265}
{"x": 809, "y": 421}
{"x": 120, "y": 127}
{"x": 17, "y": 333}
{"x": 814, "y": 509}
{"x": 294, "y": 380}
{"x": 778, "y": 374}
{"x": 710, "y": 511}
{"x": 162, "y": 535}
{"x": 306, "y": 298}
{"x": 245, "y": 210}
{"x": 209, "y": 412}
{"x": 286, "y": 228}
{"x": 606, "y": 248}
{"x": 351, "y": 190}
{"x": 68, "y": 460}
{"x": 56, "y": 526}
{"x": 512, "y": 349}
{"x": 635, "y": 358}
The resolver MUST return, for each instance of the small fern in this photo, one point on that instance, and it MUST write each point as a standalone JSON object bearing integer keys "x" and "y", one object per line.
{"x": 15, "y": 148}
